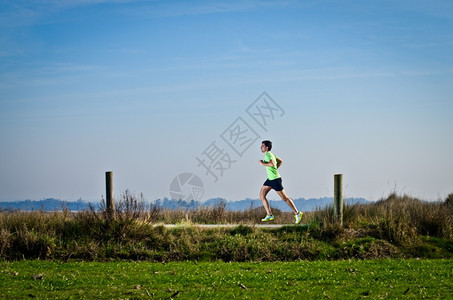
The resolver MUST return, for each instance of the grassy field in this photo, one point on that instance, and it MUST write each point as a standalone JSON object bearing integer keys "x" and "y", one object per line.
{"x": 349, "y": 279}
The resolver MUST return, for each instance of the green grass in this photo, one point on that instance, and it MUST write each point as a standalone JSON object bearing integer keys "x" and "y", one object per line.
{"x": 349, "y": 279}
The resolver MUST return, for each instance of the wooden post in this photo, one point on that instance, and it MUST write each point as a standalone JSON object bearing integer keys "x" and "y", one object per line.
{"x": 110, "y": 204}
{"x": 338, "y": 198}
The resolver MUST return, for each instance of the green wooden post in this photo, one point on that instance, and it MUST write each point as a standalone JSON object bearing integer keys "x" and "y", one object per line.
{"x": 110, "y": 204}
{"x": 338, "y": 198}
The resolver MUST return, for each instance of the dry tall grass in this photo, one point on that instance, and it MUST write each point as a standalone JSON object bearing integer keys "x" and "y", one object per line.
{"x": 389, "y": 224}
{"x": 398, "y": 219}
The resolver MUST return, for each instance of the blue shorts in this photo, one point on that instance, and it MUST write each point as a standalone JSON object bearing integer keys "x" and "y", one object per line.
{"x": 276, "y": 184}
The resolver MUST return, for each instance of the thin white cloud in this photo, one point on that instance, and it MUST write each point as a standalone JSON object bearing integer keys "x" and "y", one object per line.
{"x": 48, "y": 75}
{"x": 434, "y": 8}
{"x": 28, "y": 12}
{"x": 182, "y": 8}
{"x": 21, "y": 13}
{"x": 427, "y": 72}
{"x": 447, "y": 42}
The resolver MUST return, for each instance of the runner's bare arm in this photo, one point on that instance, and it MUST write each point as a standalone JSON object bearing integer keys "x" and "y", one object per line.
{"x": 266, "y": 164}
{"x": 279, "y": 162}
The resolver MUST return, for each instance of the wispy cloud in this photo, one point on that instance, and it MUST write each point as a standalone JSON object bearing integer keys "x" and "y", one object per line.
{"x": 21, "y": 13}
{"x": 182, "y": 8}
{"x": 29, "y": 12}
{"x": 447, "y": 42}
{"x": 434, "y": 8}
{"x": 40, "y": 74}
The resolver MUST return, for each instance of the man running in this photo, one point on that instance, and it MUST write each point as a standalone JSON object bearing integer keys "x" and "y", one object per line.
{"x": 274, "y": 181}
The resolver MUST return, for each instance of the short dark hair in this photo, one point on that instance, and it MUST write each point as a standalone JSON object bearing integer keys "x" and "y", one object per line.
{"x": 268, "y": 144}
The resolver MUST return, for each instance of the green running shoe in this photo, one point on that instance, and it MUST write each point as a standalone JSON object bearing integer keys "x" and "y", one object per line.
{"x": 268, "y": 218}
{"x": 298, "y": 217}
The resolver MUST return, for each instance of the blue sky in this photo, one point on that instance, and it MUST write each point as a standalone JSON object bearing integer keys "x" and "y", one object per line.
{"x": 143, "y": 88}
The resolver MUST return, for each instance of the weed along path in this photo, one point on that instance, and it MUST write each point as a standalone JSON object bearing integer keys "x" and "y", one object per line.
{"x": 232, "y": 225}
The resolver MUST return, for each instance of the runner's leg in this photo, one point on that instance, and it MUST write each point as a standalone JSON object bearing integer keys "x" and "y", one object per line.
{"x": 263, "y": 193}
{"x": 288, "y": 200}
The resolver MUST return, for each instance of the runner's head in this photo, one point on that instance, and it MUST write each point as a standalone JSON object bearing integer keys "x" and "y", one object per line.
{"x": 267, "y": 144}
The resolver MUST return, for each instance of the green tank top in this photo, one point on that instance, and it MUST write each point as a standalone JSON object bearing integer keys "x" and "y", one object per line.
{"x": 272, "y": 172}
